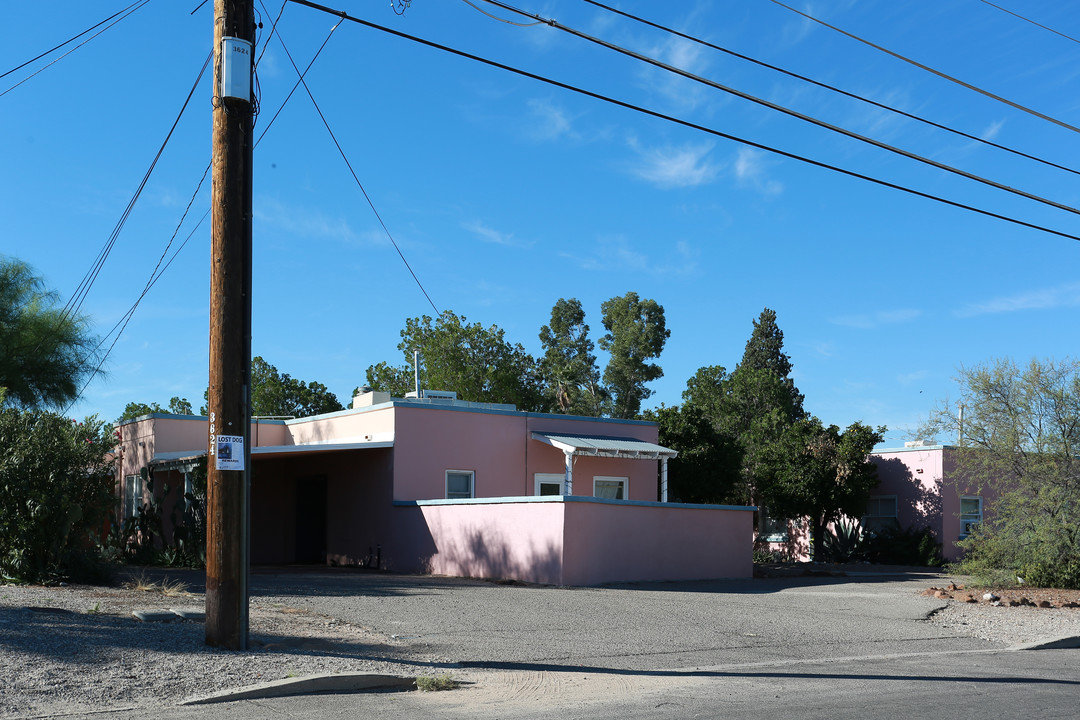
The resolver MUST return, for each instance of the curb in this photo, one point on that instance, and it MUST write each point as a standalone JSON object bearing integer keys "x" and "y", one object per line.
{"x": 336, "y": 683}
{"x": 1061, "y": 643}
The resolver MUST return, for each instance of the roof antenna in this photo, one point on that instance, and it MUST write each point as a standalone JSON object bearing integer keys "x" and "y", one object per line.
{"x": 416, "y": 371}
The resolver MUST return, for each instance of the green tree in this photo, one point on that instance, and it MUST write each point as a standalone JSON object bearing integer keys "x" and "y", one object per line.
{"x": 46, "y": 354}
{"x": 765, "y": 351}
{"x": 636, "y": 333}
{"x": 568, "y": 367}
{"x": 276, "y": 393}
{"x": 821, "y": 473}
{"x": 384, "y": 377}
{"x": 177, "y": 406}
{"x": 760, "y": 409}
{"x": 56, "y": 494}
{"x": 180, "y": 406}
{"x": 707, "y": 467}
{"x": 476, "y": 362}
{"x": 1019, "y": 434}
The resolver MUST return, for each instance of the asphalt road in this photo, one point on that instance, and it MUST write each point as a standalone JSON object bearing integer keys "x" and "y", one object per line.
{"x": 786, "y": 648}
{"x": 633, "y": 627}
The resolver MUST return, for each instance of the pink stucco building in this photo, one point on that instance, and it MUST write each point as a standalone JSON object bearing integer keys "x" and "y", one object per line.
{"x": 451, "y": 487}
{"x": 918, "y": 486}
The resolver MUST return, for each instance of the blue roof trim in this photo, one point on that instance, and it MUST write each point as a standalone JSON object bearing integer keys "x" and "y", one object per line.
{"x": 513, "y": 500}
{"x": 422, "y": 405}
{"x": 204, "y": 418}
{"x": 911, "y": 449}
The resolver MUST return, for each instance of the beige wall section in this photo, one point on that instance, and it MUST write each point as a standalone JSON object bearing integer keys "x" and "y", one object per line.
{"x": 374, "y": 424}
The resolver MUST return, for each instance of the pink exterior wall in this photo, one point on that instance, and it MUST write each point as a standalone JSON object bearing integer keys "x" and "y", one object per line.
{"x": 928, "y": 491}
{"x": 642, "y": 474}
{"x": 575, "y": 541}
{"x": 429, "y": 441}
{"x": 498, "y": 447}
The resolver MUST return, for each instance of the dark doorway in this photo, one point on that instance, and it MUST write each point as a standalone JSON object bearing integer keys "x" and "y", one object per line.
{"x": 311, "y": 520}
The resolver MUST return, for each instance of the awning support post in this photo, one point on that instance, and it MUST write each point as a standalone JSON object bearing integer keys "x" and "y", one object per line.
{"x": 663, "y": 479}
{"x": 569, "y": 478}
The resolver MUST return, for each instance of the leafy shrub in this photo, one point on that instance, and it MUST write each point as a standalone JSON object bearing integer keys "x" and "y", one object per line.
{"x": 142, "y": 539}
{"x": 56, "y": 495}
{"x": 1052, "y": 575}
{"x": 911, "y": 546}
{"x": 765, "y": 555}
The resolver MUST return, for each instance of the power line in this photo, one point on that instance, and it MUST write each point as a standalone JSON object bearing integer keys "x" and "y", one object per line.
{"x": 685, "y": 123}
{"x": 77, "y": 299}
{"x": 929, "y": 69}
{"x": 300, "y": 75}
{"x": 155, "y": 275}
{"x": 1044, "y": 27}
{"x": 125, "y": 12}
{"x": 832, "y": 88}
{"x": 348, "y": 164}
{"x": 788, "y": 111}
{"x": 71, "y": 39}
{"x": 159, "y": 269}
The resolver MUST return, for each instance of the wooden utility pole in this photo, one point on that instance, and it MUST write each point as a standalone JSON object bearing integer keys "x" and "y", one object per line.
{"x": 229, "y": 454}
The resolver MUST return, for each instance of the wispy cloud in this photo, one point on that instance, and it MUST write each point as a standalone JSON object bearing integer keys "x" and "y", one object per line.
{"x": 912, "y": 377}
{"x": 869, "y": 321}
{"x": 616, "y": 254}
{"x": 304, "y": 223}
{"x": 1046, "y": 299}
{"x": 682, "y": 54}
{"x": 991, "y": 132}
{"x": 549, "y": 121}
{"x": 495, "y": 237}
{"x": 672, "y": 167}
{"x": 750, "y": 167}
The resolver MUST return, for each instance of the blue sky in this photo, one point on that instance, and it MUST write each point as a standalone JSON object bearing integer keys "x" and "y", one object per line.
{"x": 506, "y": 194}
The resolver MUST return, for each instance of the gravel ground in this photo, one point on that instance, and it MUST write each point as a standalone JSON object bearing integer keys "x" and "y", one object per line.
{"x": 78, "y": 648}
{"x": 1013, "y": 618}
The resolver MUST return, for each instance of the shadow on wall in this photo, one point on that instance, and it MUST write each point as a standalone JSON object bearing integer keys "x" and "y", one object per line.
{"x": 918, "y": 500}
{"x": 488, "y": 554}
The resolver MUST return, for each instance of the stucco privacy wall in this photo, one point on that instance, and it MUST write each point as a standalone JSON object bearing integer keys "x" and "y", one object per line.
{"x": 610, "y": 541}
{"x": 573, "y": 540}
{"x": 480, "y": 538}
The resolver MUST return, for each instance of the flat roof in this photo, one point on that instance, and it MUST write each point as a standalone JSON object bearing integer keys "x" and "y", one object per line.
{"x": 184, "y": 456}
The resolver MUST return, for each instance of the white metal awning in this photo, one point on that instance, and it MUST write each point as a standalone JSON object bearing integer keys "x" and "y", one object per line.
{"x": 605, "y": 446}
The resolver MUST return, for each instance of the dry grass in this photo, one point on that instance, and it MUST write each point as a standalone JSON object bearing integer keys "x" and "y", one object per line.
{"x": 168, "y": 588}
{"x": 429, "y": 683}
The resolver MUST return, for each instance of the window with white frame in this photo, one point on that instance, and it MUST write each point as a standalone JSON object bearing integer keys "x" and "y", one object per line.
{"x": 460, "y": 484}
{"x": 971, "y": 512}
{"x": 881, "y": 513}
{"x": 549, "y": 484}
{"x": 132, "y": 496}
{"x": 772, "y": 529}
{"x": 610, "y": 488}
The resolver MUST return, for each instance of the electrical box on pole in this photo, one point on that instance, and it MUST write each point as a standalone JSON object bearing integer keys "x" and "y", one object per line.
{"x": 236, "y": 68}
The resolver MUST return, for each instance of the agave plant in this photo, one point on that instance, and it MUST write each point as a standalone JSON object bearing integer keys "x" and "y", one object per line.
{"x": 844, "y": 543}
